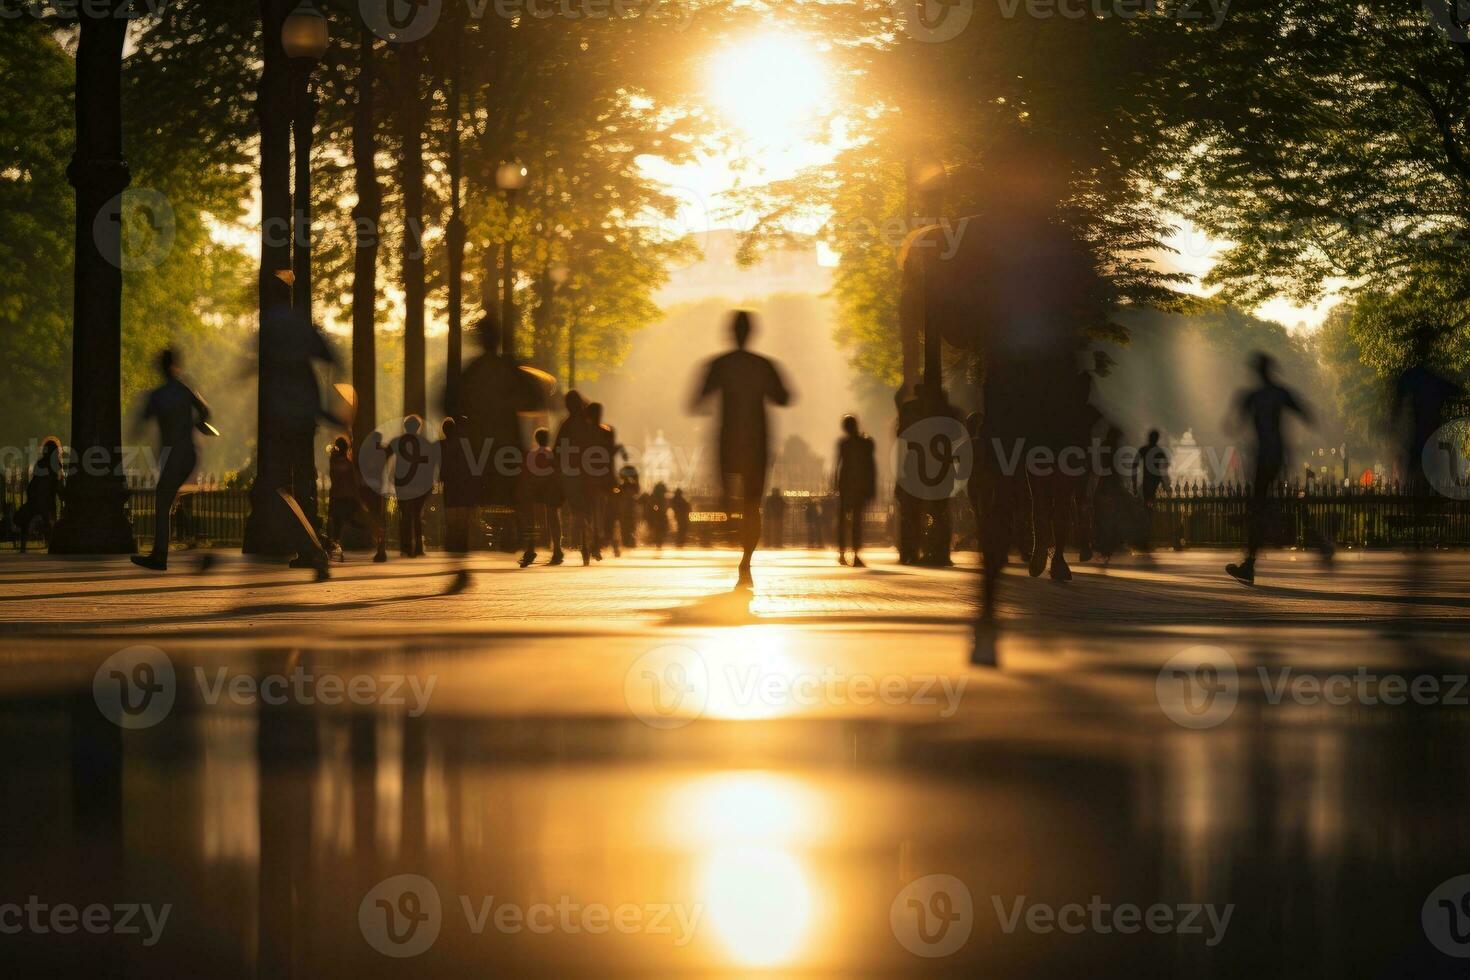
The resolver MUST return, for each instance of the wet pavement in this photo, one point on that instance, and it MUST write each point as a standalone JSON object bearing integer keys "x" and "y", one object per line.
{"x": 623, "y": 771}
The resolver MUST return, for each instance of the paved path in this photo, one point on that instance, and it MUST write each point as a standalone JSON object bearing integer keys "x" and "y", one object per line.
{"x": 645, "y": 591}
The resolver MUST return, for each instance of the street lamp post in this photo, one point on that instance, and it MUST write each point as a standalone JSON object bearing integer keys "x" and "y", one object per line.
{"x": 295, "y": 40}
{"x": 509, "y": 177}
{"x": 304, "y": 37}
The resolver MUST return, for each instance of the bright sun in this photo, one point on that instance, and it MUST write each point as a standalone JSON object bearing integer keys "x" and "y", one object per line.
{"x": 771, "y": 87}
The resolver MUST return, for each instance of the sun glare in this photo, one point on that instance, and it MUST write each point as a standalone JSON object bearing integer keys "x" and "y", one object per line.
{"x": 771, "y": 87}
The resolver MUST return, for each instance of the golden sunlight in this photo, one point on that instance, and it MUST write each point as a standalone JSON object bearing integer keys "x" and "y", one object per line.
{"x": 771, "y": 87}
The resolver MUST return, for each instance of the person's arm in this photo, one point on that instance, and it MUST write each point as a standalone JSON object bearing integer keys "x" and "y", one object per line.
{"x": 706, "y": 388}
{"x": 1303, "y": 410}
{"x": 200, "y": 405}
{"x": 776, "y": 389}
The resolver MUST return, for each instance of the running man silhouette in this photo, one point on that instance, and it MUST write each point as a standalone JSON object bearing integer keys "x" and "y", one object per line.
{"x": 179, "y": 412}
{"x": 745, "y": 383}
{"x": 1264, "y": 407}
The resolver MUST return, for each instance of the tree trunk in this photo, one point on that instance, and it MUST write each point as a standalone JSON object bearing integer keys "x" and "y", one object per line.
{"x": 94, "y": 517}
{"x": 455, "y": 234}
{"x": 368, "y": 217}
{"x": 411, "y": 118}
{"x": 270, "y": 529}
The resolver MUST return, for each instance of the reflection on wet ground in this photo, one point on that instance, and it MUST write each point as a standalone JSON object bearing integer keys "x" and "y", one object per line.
{"x": 795, "y": 831}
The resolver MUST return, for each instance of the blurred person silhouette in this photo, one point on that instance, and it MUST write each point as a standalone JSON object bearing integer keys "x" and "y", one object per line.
{"x": 775, "y": 519}
{"x": 456, "y": 475}
{"x": 43, "y": 491}
{"x": 656, "y": 514}
{"x": 1150, "y": 475}
{"x": 856, "y": 483}
{"x": 347, "y": 503}
{"x": 681, "y": 508}
{"x": 1029, "y": 288}
{"x": 910, "y": 517}
{"x": 544, "y": 490}
{"x": 493, "y": 396}
{"x": 602, "y": 475}
{"x": 745, "y": 383}
{"x": 1420, "y": 398}
{"x": 1264, "y": 407}
{"x": 180, "y": 413}
{"x": 575, "y": 438}
{"x": 627, "y": 507}
{"x": 813, "y": 522}
{"x": 292, "y": 346}
{"x": 413, "y": 480}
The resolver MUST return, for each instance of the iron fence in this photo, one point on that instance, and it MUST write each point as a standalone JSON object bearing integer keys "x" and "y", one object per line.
{"x": 1382, "y": 515}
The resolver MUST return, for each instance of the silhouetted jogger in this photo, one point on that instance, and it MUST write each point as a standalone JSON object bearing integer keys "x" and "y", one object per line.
{"x": 492, "y": 396}
{"x": 1264, "y": 407}
{"x": 456, "y": 474}
{"x": 745, "y": 382}
{"x": 180, "y": 413}
{"x": 857, "y": 482}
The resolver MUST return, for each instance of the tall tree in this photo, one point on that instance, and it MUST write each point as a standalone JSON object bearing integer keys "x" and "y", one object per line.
{"x": 411, "y": 115}
{"x": 94, "y": 518}
{"x": 367, "y": 216}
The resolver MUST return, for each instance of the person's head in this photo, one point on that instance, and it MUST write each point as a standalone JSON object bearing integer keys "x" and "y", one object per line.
{"x": 1421, "y": 343}
{"x": 1264, "y": 365}
{"x": 576, "y": 404}
{"x": 741, "y": 326}
{"x": 1025, "y": 169}
{"x": 339, "y": 446}
{"x": 1153, "y": 437}
{"x": 412, "y": 424}
{"x": 594, "y": 412}
{"x": 679, "y": 493}
{"x": 50, "y": 447}
{"x": 660, "y": 490}
{"x": 543, "y": 437}
{"x": 487, "y": 329}
{"x": 168, "y": 362}
{"x": 447, "y": 427}
{"x": 850, "y": 424}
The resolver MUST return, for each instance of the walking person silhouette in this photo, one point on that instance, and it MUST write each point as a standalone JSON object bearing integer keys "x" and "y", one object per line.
{"x": 1264, "y": 408}
{"x": 179, "y": 412}
{"x": 745, "y": 382}
{"x": 42, "y": 491}
{"x": 857, "y": 482}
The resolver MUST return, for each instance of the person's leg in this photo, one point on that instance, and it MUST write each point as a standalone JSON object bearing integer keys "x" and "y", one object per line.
{"x": 553, "y": 531}
{"x": 23, "y": 517}
{"x": 750, "y": 531}
{"x": 855, "y": 513}
{"x": 1062, "y": 492}
{"x": 1042, "y": 526}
